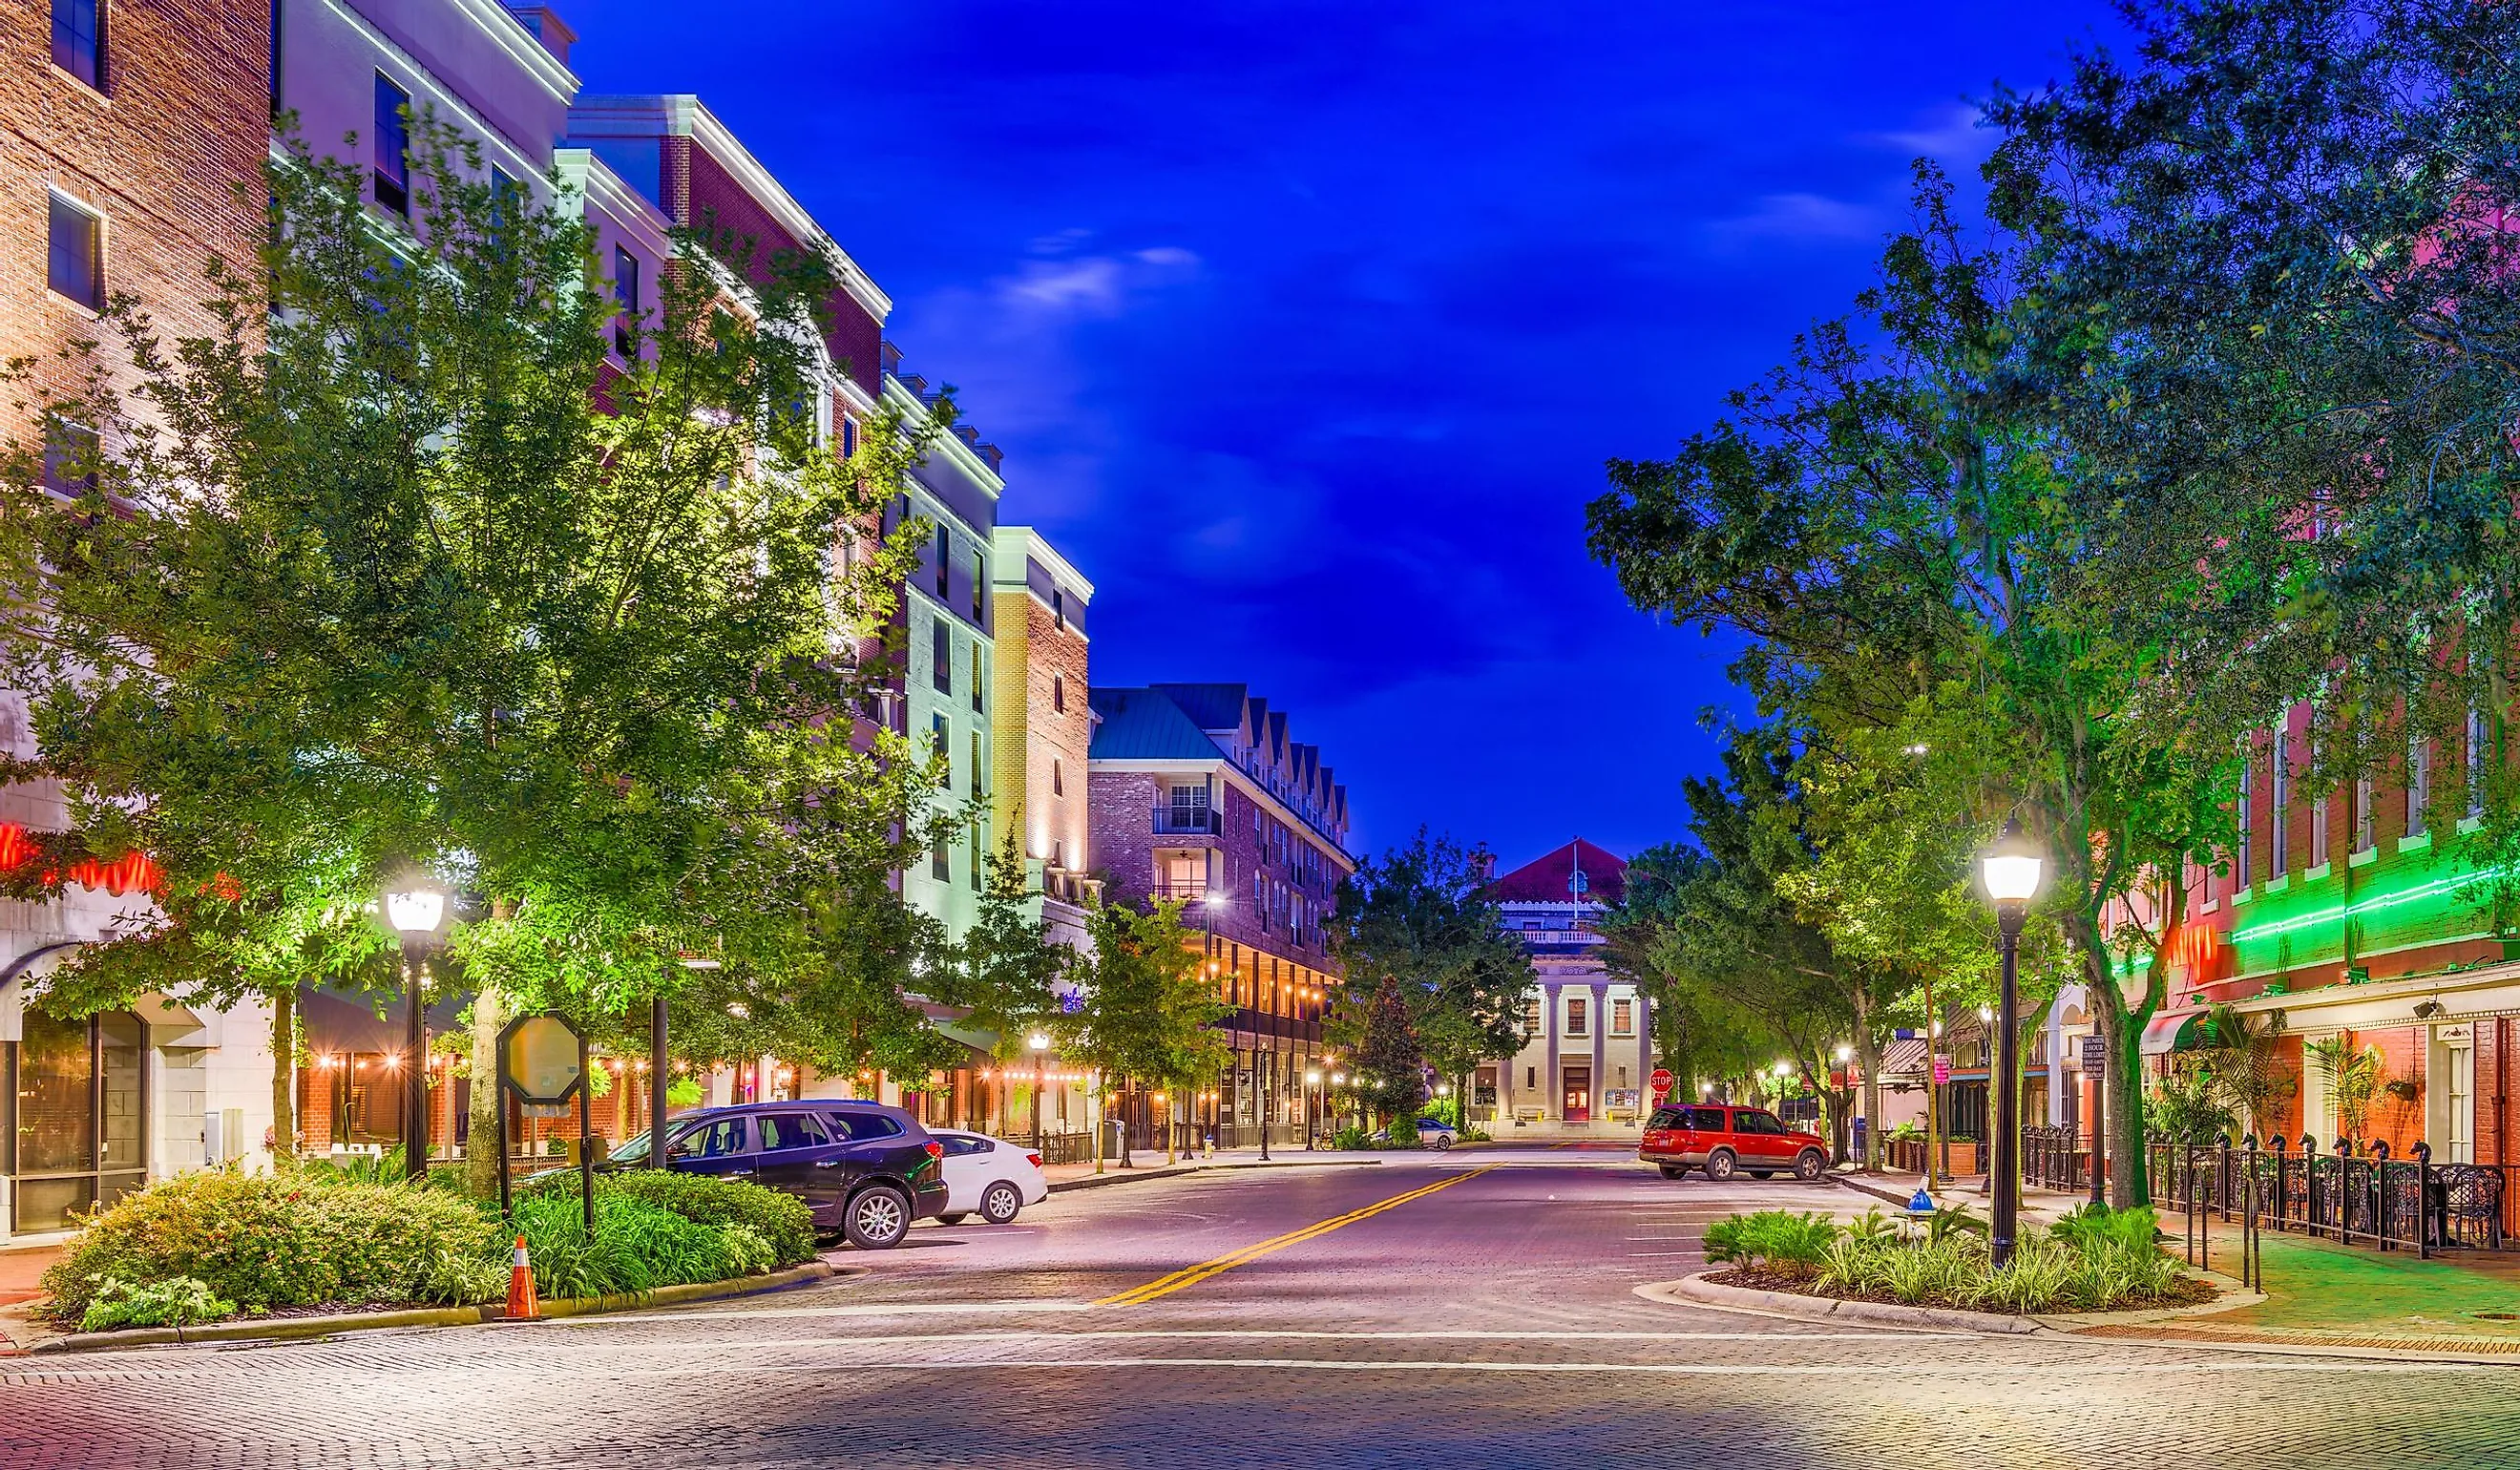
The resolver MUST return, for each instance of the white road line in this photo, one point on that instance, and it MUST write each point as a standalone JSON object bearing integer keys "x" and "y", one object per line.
{"x": 1638, "y": 1255}
{"x": 2043, "y": 1373}
{"x": 904, "y": 1308}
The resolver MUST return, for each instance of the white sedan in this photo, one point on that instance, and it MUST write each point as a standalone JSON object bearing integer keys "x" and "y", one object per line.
{"x": 987, "y": 1176}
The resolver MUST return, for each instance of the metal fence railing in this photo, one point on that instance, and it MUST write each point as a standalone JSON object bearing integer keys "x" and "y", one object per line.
{"x": 2366, "y": 1199}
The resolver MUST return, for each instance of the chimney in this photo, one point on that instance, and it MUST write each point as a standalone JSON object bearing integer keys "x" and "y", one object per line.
{"x": 996, "y": 457}
{"x": 547, "y": 27}
{"x": 892, "y": 359}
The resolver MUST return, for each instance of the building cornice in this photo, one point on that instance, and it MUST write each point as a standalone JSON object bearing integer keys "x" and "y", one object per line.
{"x": 1182, "y": 765}
{"x": 509, "y": 35}
{"x": 528, "y": 167}
{"x": 960, "y": 455}
{"x": 1029, "y": 541}
{"x": 684, "y": 115}
{"x": 598, "y": 186}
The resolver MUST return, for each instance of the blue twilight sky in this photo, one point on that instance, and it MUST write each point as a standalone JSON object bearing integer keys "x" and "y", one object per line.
{"x": 1307, "y": 327}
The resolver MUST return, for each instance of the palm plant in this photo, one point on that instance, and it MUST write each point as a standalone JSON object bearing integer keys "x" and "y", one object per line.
{"x": 2352, "y": 1075}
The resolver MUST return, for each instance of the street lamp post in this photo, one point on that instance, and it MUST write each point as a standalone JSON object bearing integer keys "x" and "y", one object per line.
{"x": 659, "y": 1083}
{"x": 2011, "y": 869}
{"x": 417, "y": 910}
{"x": 1040, "y": 1045}
{"x": 1312, "y": 1107}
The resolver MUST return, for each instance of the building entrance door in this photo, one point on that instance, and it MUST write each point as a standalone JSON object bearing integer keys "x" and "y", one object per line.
{"x": 1578, "y": 1101}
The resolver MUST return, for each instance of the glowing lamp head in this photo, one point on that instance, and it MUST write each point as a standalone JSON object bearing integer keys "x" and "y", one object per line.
{"x": 2011, "y": 869}
{"x": 1845, "y": 1054}
{"x": 1037, "y": 1042}
{"x": 415, "y": 907}
{"x": 1784, "y": 1069}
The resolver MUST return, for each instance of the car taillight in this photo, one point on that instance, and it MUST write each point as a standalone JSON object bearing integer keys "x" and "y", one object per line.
{"x": 1033, "y": 1159}
{"x": 935, "y": 1150}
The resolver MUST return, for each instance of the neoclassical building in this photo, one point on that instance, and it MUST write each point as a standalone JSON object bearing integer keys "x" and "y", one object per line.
{"x": 1592, "y": 1040}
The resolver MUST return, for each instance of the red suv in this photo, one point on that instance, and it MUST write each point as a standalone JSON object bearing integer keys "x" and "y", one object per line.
{"x": 1723, "y": 1140}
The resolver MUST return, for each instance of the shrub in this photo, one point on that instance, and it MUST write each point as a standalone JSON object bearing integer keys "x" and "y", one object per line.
{"x": 294, "y": 1239}
{"x": 782, "y": 1220}
{"x": 636, "y": 1246}
{"x": 1872, "y": 1229}
{"x": 2089, "y": 1227}
{"x": 1351, "y": 1138}
{"x": 2092, "y": 1266}
{"x": 178, "y": 1302}
{"x": 1772, "y": 1238}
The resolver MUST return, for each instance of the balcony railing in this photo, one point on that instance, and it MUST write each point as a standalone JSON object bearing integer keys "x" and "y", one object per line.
{"x": 1185, "y": 821}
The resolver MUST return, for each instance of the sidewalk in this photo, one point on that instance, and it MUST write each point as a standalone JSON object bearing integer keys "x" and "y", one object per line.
{"x": 1150, "y": 1165}
{"x": 2318, "y": 1293}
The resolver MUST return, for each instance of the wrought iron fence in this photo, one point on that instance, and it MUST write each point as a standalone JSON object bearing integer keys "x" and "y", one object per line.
{"x": 1065, "y": 1149}
{"x": 2056, "y": 1158}
{"x": 2356, "y": 1198}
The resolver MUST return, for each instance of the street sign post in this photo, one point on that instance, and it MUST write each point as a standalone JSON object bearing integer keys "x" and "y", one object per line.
{"x": 542, "y": 1064}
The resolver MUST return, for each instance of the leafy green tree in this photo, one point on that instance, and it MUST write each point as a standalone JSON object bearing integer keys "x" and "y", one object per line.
{"x": 1006, "y": 972}
{"x": 1390, "y": 1063}
{"x": 1424, "y": 920}
{"x": 1146, "y": 1009}
{"x": 397, "y": 566}
{"x": 1901, "y": 518}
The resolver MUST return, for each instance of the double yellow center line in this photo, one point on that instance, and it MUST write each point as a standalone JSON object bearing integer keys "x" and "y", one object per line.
{"x": 1191, "y": 1276}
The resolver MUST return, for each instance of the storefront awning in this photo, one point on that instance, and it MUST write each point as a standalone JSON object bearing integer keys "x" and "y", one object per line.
{"x": 2171, "y": 1031}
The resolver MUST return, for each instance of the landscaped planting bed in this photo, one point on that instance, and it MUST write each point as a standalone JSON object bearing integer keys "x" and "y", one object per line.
{"x": 210, "y": 1244}
{"x": 2093, "y": 1260}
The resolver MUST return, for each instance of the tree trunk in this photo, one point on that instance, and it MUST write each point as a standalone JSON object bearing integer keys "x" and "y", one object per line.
{"x": 284, "y": 1073}
{"x": 481, "y": 1141}
{"x": 1868, "y": 1057}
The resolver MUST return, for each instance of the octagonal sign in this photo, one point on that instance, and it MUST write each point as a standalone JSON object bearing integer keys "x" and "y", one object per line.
{"x": 538, "y": 1059}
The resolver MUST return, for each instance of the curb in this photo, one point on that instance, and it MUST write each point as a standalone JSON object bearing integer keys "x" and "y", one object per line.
{"x": 284, "y": 1329}
{"x": 1177, "y": 1171}
{"x": 1696, "y": 1290}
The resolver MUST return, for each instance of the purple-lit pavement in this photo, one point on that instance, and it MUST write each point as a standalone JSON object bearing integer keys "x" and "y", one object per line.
{"x": 1465, "y": 1310}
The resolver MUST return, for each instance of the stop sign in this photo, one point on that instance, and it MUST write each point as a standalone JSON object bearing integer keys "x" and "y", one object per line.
{"x": 1660, "y": 1082}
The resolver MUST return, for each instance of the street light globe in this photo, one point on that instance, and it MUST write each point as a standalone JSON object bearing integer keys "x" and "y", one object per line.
{"x": 415, "y": 907}
{"x": 1215, "y": 898}
{"x": 1784, "y": 1069}
{"x": 1338, "y": 1079}
{"x": 1705, "y": 1089}
{"x": 2011, "y": 867}
{"x": 1037, "y": 1042}
{"x": 1845, "y": 1054}
{"x": 1985, "y": 1012}
{"x": 1312, "y": 1078}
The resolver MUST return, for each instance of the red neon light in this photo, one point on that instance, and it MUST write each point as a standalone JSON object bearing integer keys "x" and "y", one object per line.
{"x": 16, "y": 848}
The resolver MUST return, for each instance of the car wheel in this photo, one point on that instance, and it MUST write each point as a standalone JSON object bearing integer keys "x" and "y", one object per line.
{"x": 1442, "y": 1141}
{"x": 1809, "y": 1165}
{"x": 1001, "y": 1203}
{"x": 956, "y": 1217}
{"x": 1720, "y": 1165}
{"x": 878, "y": 1217}
{"x": 1672, "y": 1171}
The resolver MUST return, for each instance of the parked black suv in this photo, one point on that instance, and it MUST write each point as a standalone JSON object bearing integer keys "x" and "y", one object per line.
{"x": 863, "y": 1169}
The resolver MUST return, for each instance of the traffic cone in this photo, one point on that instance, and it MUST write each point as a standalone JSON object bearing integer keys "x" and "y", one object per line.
{"x": 521, "y": 1307}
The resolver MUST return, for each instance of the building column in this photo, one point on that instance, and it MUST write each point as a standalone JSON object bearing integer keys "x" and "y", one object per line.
{"x": 1552, "y": 1096}
{"x": 1600, "y": 1049}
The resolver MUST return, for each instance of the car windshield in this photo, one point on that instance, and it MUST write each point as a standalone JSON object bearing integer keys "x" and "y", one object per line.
{"x": 632, "y": 1148}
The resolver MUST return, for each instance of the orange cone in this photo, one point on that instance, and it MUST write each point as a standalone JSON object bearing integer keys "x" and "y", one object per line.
{"x": 521, "y": 1307}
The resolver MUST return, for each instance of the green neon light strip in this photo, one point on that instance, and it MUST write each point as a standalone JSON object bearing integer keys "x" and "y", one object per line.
{"x": 2365, "y": 905}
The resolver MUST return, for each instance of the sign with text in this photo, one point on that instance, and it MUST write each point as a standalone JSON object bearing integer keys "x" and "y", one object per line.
{"x": 1660, "y": 1081}
{"x": 1942, "y": 1068}
{"x": 2096, "y": 1053}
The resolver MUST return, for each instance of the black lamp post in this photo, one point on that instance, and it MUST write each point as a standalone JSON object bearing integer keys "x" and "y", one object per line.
{"x": 660, "y": 1071}
{"x": 417, "y": 910}
{"x": 2011, "y": 869}
{"x": 1040, "y": 1045}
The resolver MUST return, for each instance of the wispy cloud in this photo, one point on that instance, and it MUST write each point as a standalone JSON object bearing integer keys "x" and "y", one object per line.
{"x": 1800, "y": 216}
{"x": 1949, "y": 134}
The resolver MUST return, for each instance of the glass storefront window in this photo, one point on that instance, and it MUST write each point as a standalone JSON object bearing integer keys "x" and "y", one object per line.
{"x": 79, "y": 1127}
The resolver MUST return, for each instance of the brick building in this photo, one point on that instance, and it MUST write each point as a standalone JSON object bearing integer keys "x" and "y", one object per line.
{"x": 1199, "y": 794}
{"x": 1044, "y": 729}
{"x": 131, "y": 143}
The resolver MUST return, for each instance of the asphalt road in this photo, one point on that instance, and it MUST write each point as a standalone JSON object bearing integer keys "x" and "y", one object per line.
{"x": 1469, "y": 1311}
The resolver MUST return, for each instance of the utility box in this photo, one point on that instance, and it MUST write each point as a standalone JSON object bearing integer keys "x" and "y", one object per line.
{"x": 223, "y": 1137}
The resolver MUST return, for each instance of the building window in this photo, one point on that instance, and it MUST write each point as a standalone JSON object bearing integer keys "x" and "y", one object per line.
{"x": 944, "y": 562}
{"x": 1531, "y": 1015}
{"x": 980, "y": 588}
{"x": 1059, "y": 609}
{"x": 69, "y": 457}
{"x": 2363, "y": 834}
{"x": 980, "y": 679}
{"x": 78, "y": 1105}
{"x": 2476, "y": 763}
{"x": 2420, "y": 786}
{"x": 2318, "y": 832}
{"x": 78, "y": 40}
{"x": 1530, "y": 1077}
{"x": 2240, "y": 877}
{"x": 975, "y": 761}
{"x": 1189, "y": 812}
{"x": 2279, "y": 832}
{"x": 979, "y": 844}
{"x": 392, "y": 147}
{"x": 74, "y": 257}
{"x": 1058, "y": 694}
{"x": 1575, "y": 1017}
{"x": 941, "y": 656}
{"x": 1057, "y": 788}
{"x": 1623, "y": 1020}
{"x": 625, "y": 303}
{"x": 940, "y": 863}
{"x": 941, "y": 739}
{"x": 848, "y": 437}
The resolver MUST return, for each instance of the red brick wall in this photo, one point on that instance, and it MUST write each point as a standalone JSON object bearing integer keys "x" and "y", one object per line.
{"x": 183, "y": 122}
{"x": 855, "y": 337}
